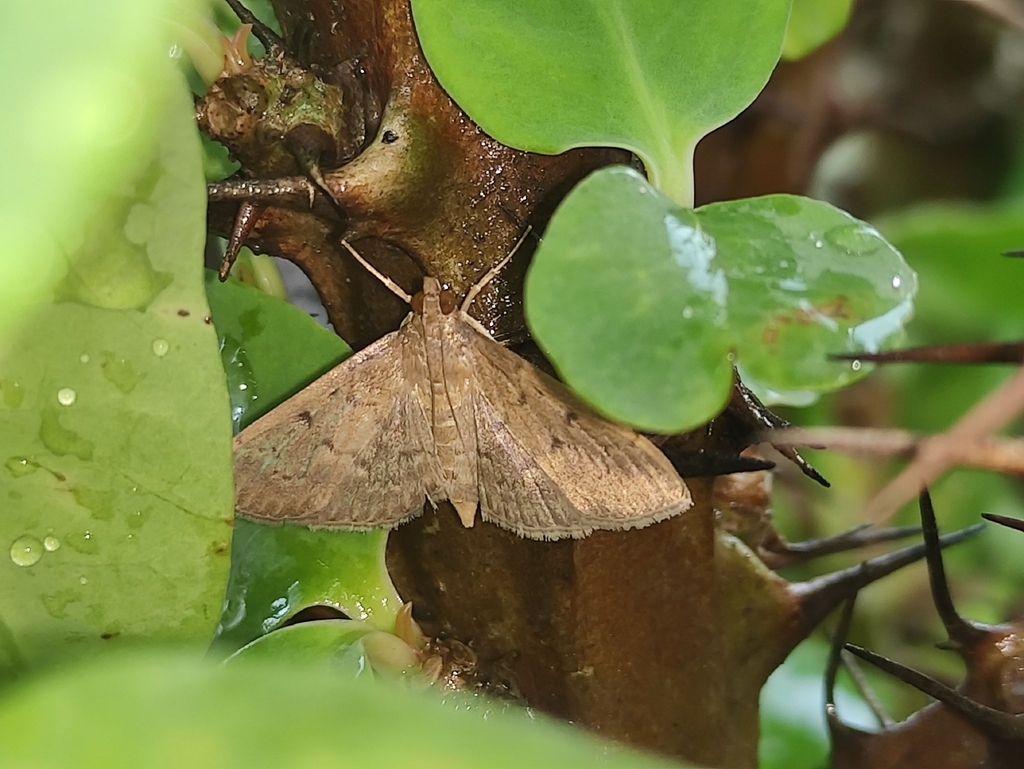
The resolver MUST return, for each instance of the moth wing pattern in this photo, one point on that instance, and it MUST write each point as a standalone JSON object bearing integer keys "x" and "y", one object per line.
{"x": 354, "y": 450}
{"x": 549, "y": 466}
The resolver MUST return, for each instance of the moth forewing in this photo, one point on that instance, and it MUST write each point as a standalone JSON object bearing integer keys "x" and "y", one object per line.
{"x": 352, "y": 450}
{"x": 572, "y": 471}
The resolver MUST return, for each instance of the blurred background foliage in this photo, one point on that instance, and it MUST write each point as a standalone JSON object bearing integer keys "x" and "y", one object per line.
{"x": 910, "y": 117}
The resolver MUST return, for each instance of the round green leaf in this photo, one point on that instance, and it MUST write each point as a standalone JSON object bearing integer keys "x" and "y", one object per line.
{"x": 161, "y": 712}
{"x": 116, "y": 484}
{"x": 653, "y": 77}
{"x": 639, "y": 307}
{"x": 271, "y": 350}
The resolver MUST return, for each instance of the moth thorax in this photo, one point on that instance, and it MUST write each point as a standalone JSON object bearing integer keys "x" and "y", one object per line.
{"x": 433, "y": 293}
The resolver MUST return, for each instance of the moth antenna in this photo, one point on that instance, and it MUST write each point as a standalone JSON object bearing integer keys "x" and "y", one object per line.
{"x": 393, "y": 287}
{"x": 477, "y": 287}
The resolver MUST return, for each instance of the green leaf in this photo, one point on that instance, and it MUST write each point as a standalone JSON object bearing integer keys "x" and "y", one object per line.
{"x": 83, "y": 111}
{"x": 270, "y": 351}
{"x": 653, "y": 77}
{"x": 639, "y": 308}
{"x": 277, "y": 571}
{"x": 812, "y": 24}
{"x": 270, "y": 348}
{"x": 117, "y": 461}
{"x": 161, "y": 712}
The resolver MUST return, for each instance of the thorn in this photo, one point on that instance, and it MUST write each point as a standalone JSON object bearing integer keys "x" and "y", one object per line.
{"x": 834, "y": 657}
{"x": 821, "y": 595}
{"x": 790, "y": 553}
{"x": 866, "y": 691}
{"x": 989, "y": 720}
{"x": 806, "y": 468}
{"x": 270, "y": 39}
{"x": 245, "y": 222}
{"x": 409, "y": 629}
{"x": 980, "y": 352}
{"x": 960, "y": 631}
{"x": 755, "y": 414}
{"x": 703, "y": 463}
{"x": 1004, "y": 520}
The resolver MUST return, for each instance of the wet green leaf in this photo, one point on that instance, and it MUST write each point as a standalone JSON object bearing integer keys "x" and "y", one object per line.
{"x": 276, "y": 571}
{"x": 639, "y": 308}
{"x": 653, "y": 77}
{"x": 164, "y": 713}
{"x": 271, "y": 350}
{"x": 116, "y": 484}
{"x": 813, "y": 23}
{"x": 83, "y": 111}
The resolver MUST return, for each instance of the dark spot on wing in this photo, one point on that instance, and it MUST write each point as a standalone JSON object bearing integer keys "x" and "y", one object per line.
{"x": 183, "y": 313}
{"x": 306, "y": 418}
{"x": 108, "y": 636}
{"x": 522, "y": 398}
{"x": 557, "y": 443}
{"x": 571, "y": 417}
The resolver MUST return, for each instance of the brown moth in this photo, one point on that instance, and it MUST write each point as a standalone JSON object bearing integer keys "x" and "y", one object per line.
{"x": 439, "y": 410}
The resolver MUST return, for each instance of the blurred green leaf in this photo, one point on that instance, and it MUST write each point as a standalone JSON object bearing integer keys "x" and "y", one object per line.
{"x": 84, "y": 108}
{"x": 793, "y": 732}
{"x": 812, "y": 23}
{"x": 313, "y": 643}
{"x": 967, "y": 287}
{"x": 161, "y": 712}
{"x": 653, "y": 77}
{"x": 639, "y": 307}
{"x": 117, "y": 458}
{"x": 270, "y": 351}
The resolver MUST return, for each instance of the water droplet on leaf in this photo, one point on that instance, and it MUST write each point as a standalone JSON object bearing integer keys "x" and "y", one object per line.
{"x": 51, "y": 543}
{"x": 66, "y": 396}
{"x": 160, "y": 347}
{"x": 84, "y": 358}
{"x": 19, "y": 466}
{"x": 26, "y": 550}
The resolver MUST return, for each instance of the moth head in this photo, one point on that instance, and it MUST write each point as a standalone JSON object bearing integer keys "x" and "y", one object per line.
{"x": 432, "y": 293}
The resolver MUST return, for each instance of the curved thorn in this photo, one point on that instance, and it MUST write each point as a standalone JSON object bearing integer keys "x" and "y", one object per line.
{"x": 989, "y": 720}
{"x": 806, "y": 468}
{"x": 859, "y": 536}
{"x": 974, "y": 352}
{"x": 749, "y": 409}
{"x": 270, "y": 39}
{"x": 835, "y": 658}
{"x": 1004, "y": 520}
{"x": 245, "y": 222}
{"x": 821, "y": 595}
{"x": 864, "y": 687}
{"x": 961, "y": 632}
